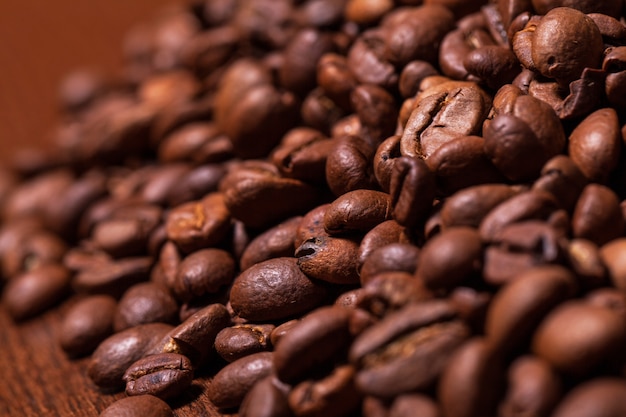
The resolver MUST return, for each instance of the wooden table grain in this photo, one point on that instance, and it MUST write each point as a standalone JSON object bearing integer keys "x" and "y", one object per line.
{"x": 37, "y": 379}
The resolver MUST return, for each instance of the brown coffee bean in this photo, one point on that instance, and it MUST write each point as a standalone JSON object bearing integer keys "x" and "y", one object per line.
{"x": 381, "y": 368}
{"x": 519, "y": 307}
{"x": 412, "y": 75}
{"x": 585, "y": 259}
{"x": 302, "y": 155}
{"x": 274, "y": 243}
{"x": 274, "y": 197}
{"x": 117, "y": 352}
{"x": 203, "y": 272}
{"x": 86, "y": 324}
{"x": 576, "y": 338}
{"x": 265, "y": 399}
{"x": 597, "y": 215}
{"x": 301, "y": 55}
{"x": 494, "y": 65}
{"x": 390, "y": 291}
{"x": 527, "y": 205}
{"x": 555, "y": 30}
{"x": 357, "y": 211}
{"x": 401, "y": 257}
{"x": 462, "y": 163}
{"x": 613, "y": 255}
{"x": 469, "y": 206}
{"x": 349, "y": 166}
{"x": 377, "y": 112}
{"x": 335, "y": 79}
{"x": 231, "y": 384}
{"x": 533, "y": 388}
{"x": 33, "y": 292}
{"x": 195, "y": 336}
{"x": 598, "y": 396}
{"x": 472, "y": 381}
{"x": 164, "y": 375}
{"x": 594, "y": 157}
{"x": 275, "y": 289}
{"x": 334, "y": 395}
{"x": 408, "y": 404}
{"x": 199, "y": 224}
{"x": 311, "y": 225}
{"x": 412, "y": 191}
{"x": 450, "y": 258}
{"x": 442, "y": 113}
{"x": 367, "y": 12}
{"x": 366, "y": 60}
{"x": 139, "y": 406}
{"x": 382, "y": 235}
{"x": 329, "y": 258}
{"x": 145, "y": 303}
{"x": 561, "y": 177}
{"x": 112, "y": 277}
{"x": 241, "y": 340}
{"x": 197, "y": 142}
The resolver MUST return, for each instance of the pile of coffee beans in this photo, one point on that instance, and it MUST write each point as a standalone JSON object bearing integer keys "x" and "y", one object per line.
{"x": 337, "y": 208}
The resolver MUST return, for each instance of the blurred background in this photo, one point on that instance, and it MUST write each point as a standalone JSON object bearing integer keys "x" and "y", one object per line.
{"x": 41, "y": 41}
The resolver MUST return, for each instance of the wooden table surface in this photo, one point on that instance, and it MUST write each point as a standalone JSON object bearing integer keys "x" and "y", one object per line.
{"x": 40, "y": 42}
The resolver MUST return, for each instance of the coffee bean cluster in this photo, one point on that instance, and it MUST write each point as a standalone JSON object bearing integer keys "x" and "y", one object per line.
{"x": 340, "y": 208}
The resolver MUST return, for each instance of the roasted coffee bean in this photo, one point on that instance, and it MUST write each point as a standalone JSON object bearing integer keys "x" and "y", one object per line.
{"x": 318, "y": 338}
{"x": 533, "y": 388}
{"x": 366, "y": 60}
{"x": 164, "y": 375}
{"x": 412, "y": 190}
{"x": 561, "y": 177}
{"x": 195, "y": 336}
{"x": 273, "y": 243}
{"x": 265, "y": 399}
{"x": 426, "y": 334}
{"x": 86, "y": 324}
{"x": 442, "y": 113}
{"x": 382, "y": 235}
{"x": 377, "y": 112}
{"x": 112, "y": 277}
{"x": 302, "y": 154}
{"x": 275, "y": 289}
{"x": 596, "y": 158}
{"x": 450, "y": 258}
{"x": 117, "y": 352}
{"x": 348, "y": 166}
{"x": 231, "y": 384}
{"x": 241, "y": 340}
{"x": 519, "y": 307}
{"x": 598, "y": 396}
{"x": 261, "y": 186}
{"x": 613, "y": 256}
{"x": 562, "y": 342}
{"x": 408, "y": 404}
{"x": 462, "y": 163}
{"x": 311, "y": 225}
{"x": 143, "y": 303}
{"x": 139, "y": 406}
{"x": 469, "y": 206}
{"x": 472, "y": 381}
{"x": 329, "y": 258}
{"x": 392, "y": 257}
{"x": 195, "y": 142}
{"x": 199, "y": 224}
{"x": 203, "y": 272}
{"x": 33, "y": 292}
{"x": 390, "y": 291}
{"x": 412, "y": 75}
{"x": 585, "y": 259}
{"x": 357, "y": 211}
{"x": 334, "y": 395}
{"x": 597, "y": 216}
{"x": 334, "y": 77}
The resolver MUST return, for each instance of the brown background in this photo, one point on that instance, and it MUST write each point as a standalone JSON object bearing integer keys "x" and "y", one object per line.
{"x": 41, "y": 40}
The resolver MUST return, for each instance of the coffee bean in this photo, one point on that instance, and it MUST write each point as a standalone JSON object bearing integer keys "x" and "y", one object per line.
{"x": 329, "y": 258}
{"x": 164, "y": 375}
{"x": 357, "y": 211}
{"x": 86, "y": 324}
{"x": 241, "y": 340}
{"x": 598, "y": 395}
{"x": 145, "y": 303}
{"x": 379, "y": 367}
{"x": 112, "y": 277}
{"x": 273, "y": 243}
{"x": 231, "y": 384}
{"x": 204, "y": 271}
{"x": 141, "y": 405}
{"x": 33, "y": 292}
{"x": 275, "y": 289}
{"x": 265, "y": 399}
{"x": 117, "y": 352}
